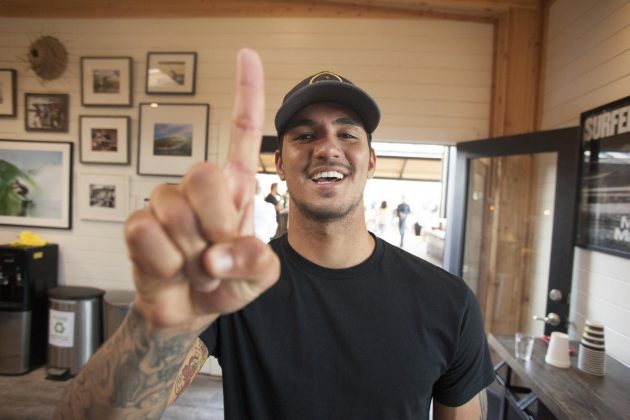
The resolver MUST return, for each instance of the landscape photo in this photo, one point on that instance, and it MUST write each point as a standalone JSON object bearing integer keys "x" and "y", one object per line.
{"x": 106, "y": 81}
{"x": 169, "y": 73}
{"x": 172, "y": 139}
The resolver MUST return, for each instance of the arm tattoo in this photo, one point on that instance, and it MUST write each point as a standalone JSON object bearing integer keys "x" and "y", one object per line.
{"x": 131, "y": 376}
{"x": 483, "y": 405}
{"x": 191, "y": 368}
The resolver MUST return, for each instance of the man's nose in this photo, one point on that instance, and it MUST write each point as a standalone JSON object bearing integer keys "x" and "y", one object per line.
{"x": 328, "y": 146}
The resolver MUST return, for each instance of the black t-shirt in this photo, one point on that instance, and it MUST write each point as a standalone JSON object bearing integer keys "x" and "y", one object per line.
{"x": 374, "y": 341}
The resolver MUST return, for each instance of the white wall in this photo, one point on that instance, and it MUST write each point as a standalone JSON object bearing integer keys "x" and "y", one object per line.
{"x": 431, "y": 78}
{"x": 588, "y": 64}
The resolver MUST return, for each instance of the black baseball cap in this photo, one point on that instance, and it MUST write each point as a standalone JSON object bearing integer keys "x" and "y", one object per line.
{"x": 326, "y": 86}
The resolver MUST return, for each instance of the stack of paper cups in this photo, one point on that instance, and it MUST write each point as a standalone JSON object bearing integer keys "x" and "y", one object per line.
{"x": 592, "y": 357}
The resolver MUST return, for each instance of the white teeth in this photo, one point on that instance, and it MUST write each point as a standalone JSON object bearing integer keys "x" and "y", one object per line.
{"x": 328, "y": 174}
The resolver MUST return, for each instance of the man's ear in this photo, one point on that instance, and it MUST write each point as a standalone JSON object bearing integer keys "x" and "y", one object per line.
{"x": 372, "y": 163}
{"x": 279, "y": 165}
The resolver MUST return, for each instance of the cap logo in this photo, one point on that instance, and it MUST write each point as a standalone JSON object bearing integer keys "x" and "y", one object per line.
{"x": 323, "y": 76}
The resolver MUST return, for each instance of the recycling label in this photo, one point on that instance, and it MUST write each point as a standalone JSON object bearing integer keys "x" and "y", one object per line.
{"x": 61, "y": 328}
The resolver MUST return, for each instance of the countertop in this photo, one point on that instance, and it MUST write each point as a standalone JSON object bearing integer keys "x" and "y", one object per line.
{"x": 570, "y": 393}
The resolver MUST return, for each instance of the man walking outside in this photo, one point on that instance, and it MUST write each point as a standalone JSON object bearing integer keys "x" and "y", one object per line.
{"x": 402, "y": 211}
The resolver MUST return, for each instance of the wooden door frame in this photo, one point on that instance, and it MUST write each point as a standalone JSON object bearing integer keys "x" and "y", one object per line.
{"x": 566, "y": 143}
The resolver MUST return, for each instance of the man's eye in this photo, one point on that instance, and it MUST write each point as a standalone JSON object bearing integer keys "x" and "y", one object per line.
{"x": 347, "y": 136}
{"x": 304, "y": 136}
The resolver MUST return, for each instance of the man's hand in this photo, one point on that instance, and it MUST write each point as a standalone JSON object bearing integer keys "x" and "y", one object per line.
{"x": 193, "y": 251}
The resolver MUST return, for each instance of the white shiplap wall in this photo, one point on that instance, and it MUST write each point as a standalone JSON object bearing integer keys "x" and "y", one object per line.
{"x": 588, "y": 64}
{"x": 432, "y": 79}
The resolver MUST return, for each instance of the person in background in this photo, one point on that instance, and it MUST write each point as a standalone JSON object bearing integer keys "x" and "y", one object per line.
{"x": 402, "y": 211}
{"x": 325, "y": 322}
{"x": 382, "y": 218}
{"x": 265, "y": 220}
{"x": 274, "y": 198}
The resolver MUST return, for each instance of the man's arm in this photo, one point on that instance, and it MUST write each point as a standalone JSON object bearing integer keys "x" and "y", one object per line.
{"x": 475, "y": 409}
{"x": 193, "y": 363}
{"x": 194, "y": 257}
{"x": 132, "y": 375}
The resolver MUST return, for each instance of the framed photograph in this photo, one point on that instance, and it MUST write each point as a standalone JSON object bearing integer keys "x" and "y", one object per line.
{"x": 103, "y": 197}
{"x": 171, "y": 137}
{"x": 46, "y": 112}
{"x": 104, "y": 139}
{"x": 36, "y": 183}
{"x": 106, "y": 81}
{"x": 604, "y": 215}
{"x": 171, "y": 73}
{"x": 8, "y": 93}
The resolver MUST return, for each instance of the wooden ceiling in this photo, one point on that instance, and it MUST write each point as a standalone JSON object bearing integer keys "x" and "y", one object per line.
{"x": 446, "y": 9}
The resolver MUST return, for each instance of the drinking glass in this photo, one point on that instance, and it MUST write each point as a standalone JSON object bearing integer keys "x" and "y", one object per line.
{"x": 523, "y": 346}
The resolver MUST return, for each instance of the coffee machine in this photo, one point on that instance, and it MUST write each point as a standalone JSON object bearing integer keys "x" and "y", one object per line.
{"x": 26, "y": 275}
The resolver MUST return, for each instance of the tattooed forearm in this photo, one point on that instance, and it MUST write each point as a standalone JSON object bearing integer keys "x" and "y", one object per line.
{"x": 132, "y": 375}
{"x": 192, "y": 365}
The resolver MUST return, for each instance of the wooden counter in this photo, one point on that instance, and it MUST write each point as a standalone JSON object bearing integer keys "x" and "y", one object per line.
{"x": 570, "y": 393}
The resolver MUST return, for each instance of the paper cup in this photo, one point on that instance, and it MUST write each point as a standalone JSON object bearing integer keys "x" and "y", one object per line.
{"x": 558, "y": 351}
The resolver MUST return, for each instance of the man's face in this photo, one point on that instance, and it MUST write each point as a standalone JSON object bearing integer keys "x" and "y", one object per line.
{"x": 326, "y": 161}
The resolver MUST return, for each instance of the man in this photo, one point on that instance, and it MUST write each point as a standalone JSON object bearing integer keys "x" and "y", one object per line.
{"x": 402, "y": 211}
{"x": 272, "y": 197}
{"x": 352, "y": 329}
{"x": 265, "y": 222}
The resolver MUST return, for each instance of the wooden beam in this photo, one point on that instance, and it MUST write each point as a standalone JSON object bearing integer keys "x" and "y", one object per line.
{"x": 518, "y": 43}
{"x": 442, "y": 9}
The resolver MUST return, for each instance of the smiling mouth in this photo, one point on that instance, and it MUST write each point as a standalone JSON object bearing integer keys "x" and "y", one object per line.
{"x": 328, "y": 177}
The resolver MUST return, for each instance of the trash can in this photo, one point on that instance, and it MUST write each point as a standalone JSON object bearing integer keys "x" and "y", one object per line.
{"x": 116, "y": 306}
{"x": 74, "y": 329}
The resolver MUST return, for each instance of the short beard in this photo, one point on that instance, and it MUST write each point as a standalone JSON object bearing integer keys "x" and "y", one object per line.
{"x": 326, "y": 215}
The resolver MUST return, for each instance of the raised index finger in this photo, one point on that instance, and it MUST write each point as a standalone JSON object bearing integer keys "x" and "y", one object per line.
{"x": 247, "y": 124}
{"x": 249, "y": 110}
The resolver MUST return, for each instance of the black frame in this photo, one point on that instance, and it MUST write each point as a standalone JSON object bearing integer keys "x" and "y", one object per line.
{"x": 191, "y": 55}
{"x": 13, "y": 92}
{"x": 65, "y": 118}
{"x": 128, "y": 99}
{"x": 566, "y": 143}
{"x": 127, "y": 120}
{"x": 605, "y": 181}
{"x": 68, "y": 149}
{"x": 141, "y": 126}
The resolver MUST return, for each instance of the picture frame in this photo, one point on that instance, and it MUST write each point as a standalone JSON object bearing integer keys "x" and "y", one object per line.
{"x": 103, "y": 197}
{"x": 36, "y": 183}
{"x": 604, "y": 199}
{"x": 8, "y": 93}
{"x": 171, "y": 73}
{"x": 106, "y": 81}
{"x": 171, "y": 137}
{"x": 104, "y": 139}
{"x": 46, "y": 112}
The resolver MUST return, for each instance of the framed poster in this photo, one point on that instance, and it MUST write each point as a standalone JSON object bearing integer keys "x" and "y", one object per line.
{"x": 46, "y": 112}
{"x": 604, "y": 209}
{"x": 103, "y": 197}
{"x": 104, "y": 139}
{"x": 36, "y": 183}
{"x": 171, "y": 73}
{"x": 171, "y": 138}
{"x": 8, "y": 93}
{"x": 106, "y": 81}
